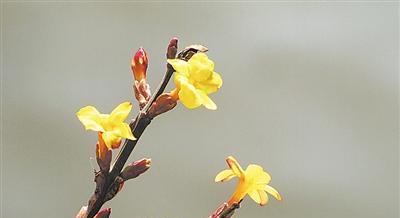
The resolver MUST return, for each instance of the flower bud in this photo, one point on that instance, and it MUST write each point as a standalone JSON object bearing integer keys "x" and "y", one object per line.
{"x": 172, "y": 48}
{"x": 103, "y": 213}
{"x": 139, "y": 64}
{"x": 142, "y": 92}
{"x": 165, "y": 102}
{"x": 136, "y": 168}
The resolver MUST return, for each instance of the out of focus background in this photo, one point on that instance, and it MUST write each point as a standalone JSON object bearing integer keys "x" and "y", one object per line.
{"x": 310, "y": 93}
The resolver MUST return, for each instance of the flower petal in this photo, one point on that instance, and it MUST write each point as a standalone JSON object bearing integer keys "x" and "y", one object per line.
{"x": 258, "y": 174}
{"x": 110, "y": 138}
{"x": 180, "y": 78}
{"x": 211, "y": 85}
{"x": 234, "y": 165}
{"x": 179, "y": 66}
{"x": 200, "y": 67}
{"x": 121, "y": 112}
{"x": 224, "y": 175}
{"x": 273, "y": 192}
{"x": 263, "y": 197}
{"x": 255, "y": 196}
{"x": 90, "y": 118}
{"x": 125, "y": 131}
{"x": 189, "y": 96}
{"x": 206, "y": 101}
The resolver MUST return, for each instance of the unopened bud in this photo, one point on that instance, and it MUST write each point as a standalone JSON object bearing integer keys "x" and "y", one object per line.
{"x": 165, "y": 102}
{"x": 136, "y": 168}
{"x": 142, "y": 92}
{"x": 103, "y": 213}
{"x": 172, "y": 48}
{"x": 139, "y": 64}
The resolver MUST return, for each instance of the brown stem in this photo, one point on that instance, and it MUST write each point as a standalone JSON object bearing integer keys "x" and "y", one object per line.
{"x": 228, "y": 212}
{"x": 139, "y": 125}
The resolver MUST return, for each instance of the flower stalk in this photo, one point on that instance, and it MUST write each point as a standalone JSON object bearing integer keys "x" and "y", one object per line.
{"x": 138, "y": 125}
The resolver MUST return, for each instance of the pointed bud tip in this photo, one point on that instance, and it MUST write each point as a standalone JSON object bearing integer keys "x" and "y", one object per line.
{"x": 172, "y": 48}
{"x": 139, "y": 64}
{"x": 148, "y": 162}
{"x": 173, "y": 42}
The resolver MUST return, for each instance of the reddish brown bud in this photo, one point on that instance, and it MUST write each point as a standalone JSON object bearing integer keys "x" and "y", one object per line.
{"x": 172, "y": 48}
{"x": 142, "y": 92}
{"x": 165, "y": 102}
{"x": 139, "y": 64}
{"x": 103, "y": 213}
{"x": 136, "y": 168}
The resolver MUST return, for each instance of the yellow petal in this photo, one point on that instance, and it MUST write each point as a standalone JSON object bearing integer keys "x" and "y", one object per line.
{"x": 224, "y": 175}
{"x": 234, "y": 165}
{"x": 211, "y": 85}
{"x": 179, "y": 66}
{"x": 273, "y": 192}
{"x": 200, "y": 67}
{"x": 121, "y": 112}
{"x": 263, "y": 197}
{"x": 180, "y": 78}
{"x": 110, "y": 138}
{"x": 125, "y": 131}
{"x": 189, "y": 96}
{"x": 257, "y": 174}
{"x": 255, "y": 196}
{"x": 206, "y": 101}
{"x": 90, "y": 118}
{"x": 215, "y": 80}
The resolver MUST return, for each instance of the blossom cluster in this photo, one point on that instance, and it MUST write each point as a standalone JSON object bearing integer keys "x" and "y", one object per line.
{"x": 195, "y": 79}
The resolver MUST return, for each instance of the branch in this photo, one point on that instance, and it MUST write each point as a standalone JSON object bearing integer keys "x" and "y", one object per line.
{"x": 139, "y": 125}
{"x": 228, "y": 212}
{"x": 225, "y": 211}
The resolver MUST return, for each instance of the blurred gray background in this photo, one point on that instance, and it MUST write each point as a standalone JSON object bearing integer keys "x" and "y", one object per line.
{"x": 310, "y": 93}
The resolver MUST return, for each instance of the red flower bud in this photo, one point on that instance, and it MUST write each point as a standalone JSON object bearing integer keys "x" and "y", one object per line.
{"x": 142, "y": 92}
{"x": 172, "y": 48}
{"x": 136, "y": 168}
{"x": 165, "y": 102}
{"x": 139, "y": 64}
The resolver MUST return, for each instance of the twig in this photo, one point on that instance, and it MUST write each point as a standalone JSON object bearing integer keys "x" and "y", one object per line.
{"x": 140, "y": 123}
{"x": 228, "y": 212}
{"x": 108, "y": 181}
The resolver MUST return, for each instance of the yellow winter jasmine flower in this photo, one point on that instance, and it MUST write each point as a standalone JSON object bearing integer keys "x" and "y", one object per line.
{"x": 111, "y": 126}
{"x": 254, "y": 182}
{"x": 194, "y": 80}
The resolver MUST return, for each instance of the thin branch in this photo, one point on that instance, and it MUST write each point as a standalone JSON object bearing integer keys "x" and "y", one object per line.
{"x": 140, "y": 123}
{"x": 228, "y": 212}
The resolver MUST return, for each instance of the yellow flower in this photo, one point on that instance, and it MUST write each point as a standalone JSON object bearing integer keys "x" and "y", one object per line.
{"x": 111, "y": 126}
{"x": 254, "y": 182}
{"x": 194, "y": 80}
